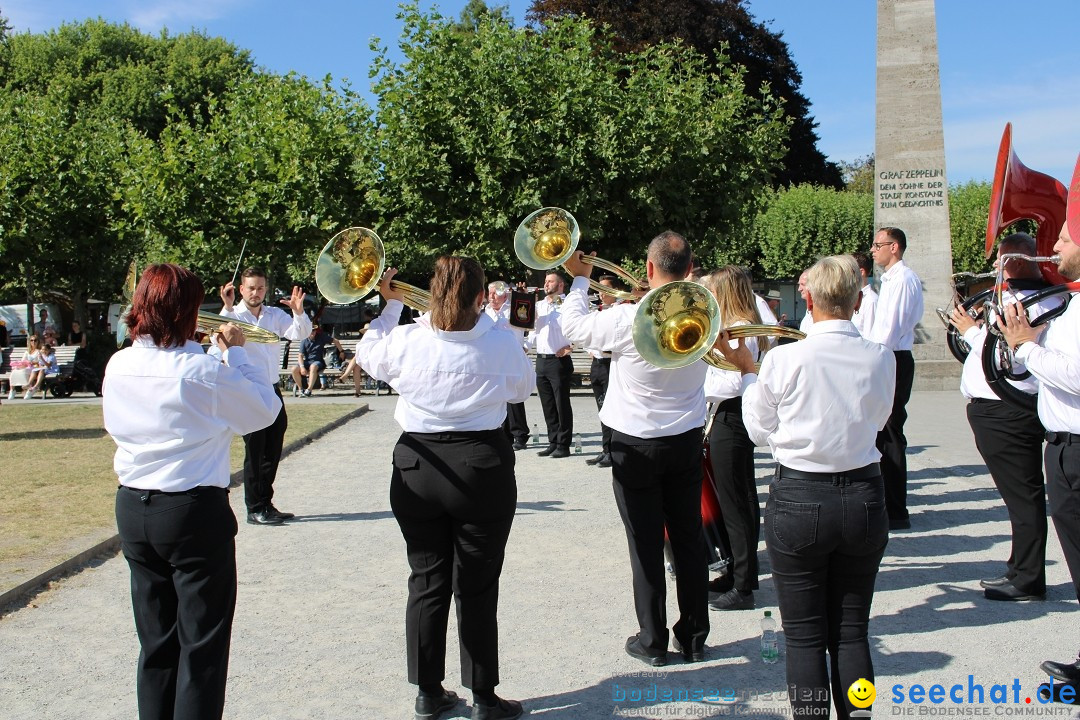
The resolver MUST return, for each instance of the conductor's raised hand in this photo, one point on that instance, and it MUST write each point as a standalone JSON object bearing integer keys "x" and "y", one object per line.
{"x": 576, "y": 266}
{"x": 390, "y": 293}
{"x": 228, "y": 295}
{"x": 296, "y": 300}
{"x": 739, "y": 356}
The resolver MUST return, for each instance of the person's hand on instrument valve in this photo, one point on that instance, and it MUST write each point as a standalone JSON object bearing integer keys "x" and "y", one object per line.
{"x": 1016, "y": 328}
{"x": 388, "y": 292}
{"x": 739, "y": 356}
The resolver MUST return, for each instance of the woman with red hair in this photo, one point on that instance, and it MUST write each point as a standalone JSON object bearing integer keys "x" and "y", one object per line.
{"x": 172, "y": 410}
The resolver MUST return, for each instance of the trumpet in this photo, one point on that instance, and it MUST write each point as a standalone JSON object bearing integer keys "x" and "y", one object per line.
{"x": 678, "y": 323}
{"x": 550, "y": 235}
{"x": 350, "y": 266}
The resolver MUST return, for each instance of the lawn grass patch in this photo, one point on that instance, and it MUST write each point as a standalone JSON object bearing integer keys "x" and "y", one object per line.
{"x": 59, "y": 486}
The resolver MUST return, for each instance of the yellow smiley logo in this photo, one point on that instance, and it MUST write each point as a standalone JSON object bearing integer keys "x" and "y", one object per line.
{"x": 862, "y": 693}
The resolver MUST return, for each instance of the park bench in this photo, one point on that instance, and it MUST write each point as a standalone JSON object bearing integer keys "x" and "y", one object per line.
{"x": 55, "y": 382}
{"x": 291, "y": 359}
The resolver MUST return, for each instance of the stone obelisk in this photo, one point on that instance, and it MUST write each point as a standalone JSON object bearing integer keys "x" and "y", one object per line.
{"x": 910, "y": 190}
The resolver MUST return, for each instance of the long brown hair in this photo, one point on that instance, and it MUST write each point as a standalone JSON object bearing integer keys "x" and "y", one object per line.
{"x": 454, "y": 288}
{"x": 731, "y": 287}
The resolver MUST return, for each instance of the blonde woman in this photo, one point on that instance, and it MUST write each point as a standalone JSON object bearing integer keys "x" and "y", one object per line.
{"x": 24, "y": 370}
{"x": 730, "y": 448}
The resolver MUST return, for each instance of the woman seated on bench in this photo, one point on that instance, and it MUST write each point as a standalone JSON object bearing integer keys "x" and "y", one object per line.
{"x": 24, "y": 370}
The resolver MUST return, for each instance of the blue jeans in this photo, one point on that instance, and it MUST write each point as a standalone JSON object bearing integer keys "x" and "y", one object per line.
{"x": 825, "y": 542}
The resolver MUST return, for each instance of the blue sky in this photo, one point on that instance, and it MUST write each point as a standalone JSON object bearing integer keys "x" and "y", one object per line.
{"x": 1001, "y": 60}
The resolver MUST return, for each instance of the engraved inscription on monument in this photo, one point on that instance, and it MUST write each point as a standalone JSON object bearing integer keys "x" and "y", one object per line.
{"x": 919, "y": 188}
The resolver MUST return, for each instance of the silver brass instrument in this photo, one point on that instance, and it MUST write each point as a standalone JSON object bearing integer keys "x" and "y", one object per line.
{"x": 550, "y": 235}
{"x": 351, "y": 265}
{"x": 678, "y": 323}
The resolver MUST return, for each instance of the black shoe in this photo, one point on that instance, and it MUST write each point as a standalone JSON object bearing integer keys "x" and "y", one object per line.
{"x": 501, "y": 710}
{"x": 688, "y": 655}
{"x": 594, "y": 459}
{"x": 546, "y": 451}
{"x": 733, "y": 600}
{"x": 518, "y": 445}
{"x": 605, "y": 460}
{"x": 277, "y": 513}
{"x": 429, "y": 707}
{"x": 263, "y": 517}
{"x": 635, "y": 649}
{"x": 900, "y": 523}
{"x": 560, "y": 452}
{"x": 994, "y": 582}
{"x": 720, "y": 585}
{"x": 1008, "y": 591}
{"x": 1065, "y": 672}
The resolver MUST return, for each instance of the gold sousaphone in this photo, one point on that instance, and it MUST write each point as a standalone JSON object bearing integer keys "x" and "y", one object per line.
{"x": 351, "y": 265}
{"x": 678, "y": 323}
{"x": 550, "y": 235}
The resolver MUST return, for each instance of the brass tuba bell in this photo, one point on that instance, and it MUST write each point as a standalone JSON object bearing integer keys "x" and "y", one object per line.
{"x": 678, "y": 323}
{"x": 548, "y": 236}
{"x": 350, "y": 266}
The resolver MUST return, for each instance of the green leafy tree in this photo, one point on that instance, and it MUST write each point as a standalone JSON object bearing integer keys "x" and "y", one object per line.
{"x": 724, "y": 32}
{"x": 476, "y": 130}
{"x": 859, "y": 174}
{"x": 801, "y": 223}
{"x": 281, "y": 163}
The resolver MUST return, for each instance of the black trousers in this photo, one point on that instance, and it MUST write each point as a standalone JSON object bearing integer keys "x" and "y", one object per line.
{"x": 1063, "y": 492}
{"x": 732, "y": 455}
{"x": 182, "y": 557}
{"x": 891, "y": 442}
{"x": 262, "y": 453}
{"x": 454, "y": 496}
{"x": 1010, "y": 442}
{"x": 598, "y": 381}
{"x": 516, "y": 424}
{"x": 553, "y": 386}
{"x": 825, "y": 544}
{"x": 657, "y": 482}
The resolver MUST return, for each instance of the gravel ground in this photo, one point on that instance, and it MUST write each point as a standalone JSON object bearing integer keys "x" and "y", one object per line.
{"x": 320, "y": 615}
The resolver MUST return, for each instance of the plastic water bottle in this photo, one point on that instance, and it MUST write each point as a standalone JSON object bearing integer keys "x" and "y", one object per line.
{"x": 536, "y": 434}
{"x": 770, "y": 651}
{"x": 577, "y": 443}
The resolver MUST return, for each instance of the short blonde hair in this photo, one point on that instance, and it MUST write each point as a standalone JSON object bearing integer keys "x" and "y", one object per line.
{"x": 834, "y": 283}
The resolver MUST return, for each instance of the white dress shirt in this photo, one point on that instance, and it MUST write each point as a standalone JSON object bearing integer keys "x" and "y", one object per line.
{"x": 642, "y": 400}
{"x": 768, "y": 317}
{"x": 807, "y": 321}
{"x": 172, "y": 413}
{"x": 863, "y": 319}
{"x": 973, "y": 380}
{"x": 447, "y": 381}
{"x": 1055, "y": 361}
{"x": 820, "y": 402}
{"x": 547, "y": 336}
{"x": 899, "y": 308}
{"x": 502, "y": 320}
{"x": 267, "y": 356}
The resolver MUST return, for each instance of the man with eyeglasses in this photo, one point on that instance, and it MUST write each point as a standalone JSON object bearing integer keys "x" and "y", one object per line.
{"x": 899, "y": 309}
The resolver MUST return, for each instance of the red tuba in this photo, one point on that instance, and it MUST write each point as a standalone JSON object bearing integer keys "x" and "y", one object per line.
{"x": 1020, "y": 193}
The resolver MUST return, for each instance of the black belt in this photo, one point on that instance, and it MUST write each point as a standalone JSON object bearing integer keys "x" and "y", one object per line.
{"x": 976, "y": 400}
{"x": 545, "y": 355}
{"x": 1061, "y": 438}
{"x": 145, "y": 495}
{"x": 867, "y": 472}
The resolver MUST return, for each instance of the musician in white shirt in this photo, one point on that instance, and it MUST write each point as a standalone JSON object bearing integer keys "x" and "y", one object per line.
{"x": 807, "y": 318}
{"x": 599, "y": 372}
{"x": 172, "y": 411}
{"x": 498, "y": 309}
{"x": 1052, "y": 354}
{"x": 452, "y": 490}
{"x": 899, "y": 309}
{"x": 863, "y": 319}
{"x": 730, "y": 449}
{"x": 1010, "y": 439}
{"x": 262, "y": 447}
{"x": 656, "y": 417}
{"x": 554, "y": 368}
{"x": 818, "y": 404}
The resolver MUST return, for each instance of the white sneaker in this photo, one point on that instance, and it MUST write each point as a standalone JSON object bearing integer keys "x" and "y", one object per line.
{"x": 28, "y": 394}
{"x": 11, "y": 394}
